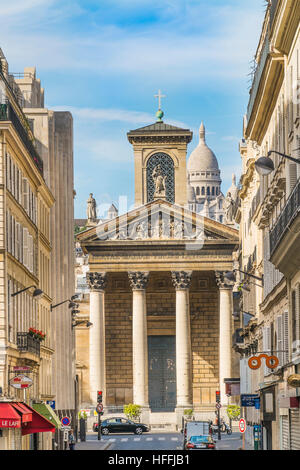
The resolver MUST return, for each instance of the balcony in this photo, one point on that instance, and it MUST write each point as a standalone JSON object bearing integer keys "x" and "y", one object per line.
{"x": 284, "y": 237}
{"x": 257, "y": 77}
{"x": 7, "y": 113}
{"x": 27, "y": 343}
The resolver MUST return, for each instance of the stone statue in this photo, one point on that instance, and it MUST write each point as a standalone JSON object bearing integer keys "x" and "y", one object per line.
{"x": 159, "y": 182}
{"x": 91, "y": 209}
{"x": 229, "y": 203}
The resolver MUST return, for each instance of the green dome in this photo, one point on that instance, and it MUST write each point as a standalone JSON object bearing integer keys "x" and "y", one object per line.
{"x": 159, "y": 115}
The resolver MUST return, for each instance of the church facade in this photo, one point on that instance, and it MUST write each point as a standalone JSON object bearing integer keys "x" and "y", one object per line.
{"x": 159, "y": 303}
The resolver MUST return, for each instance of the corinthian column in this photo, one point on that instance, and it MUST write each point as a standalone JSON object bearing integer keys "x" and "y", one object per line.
{"x": 138, "y": 282}
{"x": 97, "y": 283}
{"x": 181, "y": 281}
{"x": 225, "y": 333}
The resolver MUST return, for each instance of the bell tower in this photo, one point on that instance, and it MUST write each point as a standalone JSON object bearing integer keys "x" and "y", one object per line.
{"x": 160, "y": 161}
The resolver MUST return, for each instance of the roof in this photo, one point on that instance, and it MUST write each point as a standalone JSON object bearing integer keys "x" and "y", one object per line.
{"x": 159, "y": 127}
{"x": 160, "y": 130}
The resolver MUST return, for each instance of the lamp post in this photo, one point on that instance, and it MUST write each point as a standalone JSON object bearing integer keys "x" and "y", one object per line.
{"x": 230, "y": 275}
{"x": 264, "y": 165}
{"x": 36, "y": 293}
{"x": 76, "y": 323}
{"x": 72, "y": 304}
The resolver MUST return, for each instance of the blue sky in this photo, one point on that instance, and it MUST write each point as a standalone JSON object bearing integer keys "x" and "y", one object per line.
{"x": 104, "y": 60}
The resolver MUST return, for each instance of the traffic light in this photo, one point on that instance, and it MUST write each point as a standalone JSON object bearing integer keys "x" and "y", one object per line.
{"x": 218, "y": 396}
{"x": 99, "y": 396}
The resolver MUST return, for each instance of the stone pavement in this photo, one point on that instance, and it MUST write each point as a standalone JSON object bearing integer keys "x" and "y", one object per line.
{"x": 92, "y": 445}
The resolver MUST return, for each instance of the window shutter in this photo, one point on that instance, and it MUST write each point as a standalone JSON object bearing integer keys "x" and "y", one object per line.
{"x": 25, "y": 247}
{"x": 26, "y": 195}
{"x": 266, "y": 345}
{"x": 279, "y": 346}
{"x": 286, "y": 337}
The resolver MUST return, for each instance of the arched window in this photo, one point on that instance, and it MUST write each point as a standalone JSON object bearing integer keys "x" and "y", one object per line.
{"x": 208, "y": 191}
{"x": 213, "y": 191}
{"x": 167, "y": 169}
{"x": 203, "y": 191}
{"x": 217, "y": 191}
{"x": 198, "y": 191}
{"x": 221, "y": 219}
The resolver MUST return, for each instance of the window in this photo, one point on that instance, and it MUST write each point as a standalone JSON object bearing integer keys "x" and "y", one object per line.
{"x": 208, "y": 191}
{"x": 213, "y": 191}
{"x": 203, "y": 191}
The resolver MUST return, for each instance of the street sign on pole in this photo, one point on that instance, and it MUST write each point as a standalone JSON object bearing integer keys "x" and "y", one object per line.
{"x": 242, "y": 425}
{"x": 65, "y": 421}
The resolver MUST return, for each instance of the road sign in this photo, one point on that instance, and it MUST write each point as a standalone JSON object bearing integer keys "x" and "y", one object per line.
{"x": 249, "y": 399}
{"x": 242, "y": 425}
{"x": 65, "y": 421}
{"x": 51, "y": 403}
{"x": 218, "y": 405}
{"x": 99, "y": 408}
{"x": 21, "y": 381}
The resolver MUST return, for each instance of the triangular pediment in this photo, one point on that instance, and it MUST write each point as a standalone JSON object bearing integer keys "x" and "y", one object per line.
{"x": 159, "y": 221}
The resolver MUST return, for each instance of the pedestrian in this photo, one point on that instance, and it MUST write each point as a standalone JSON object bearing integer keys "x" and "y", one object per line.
{"x": 71, "y": 440}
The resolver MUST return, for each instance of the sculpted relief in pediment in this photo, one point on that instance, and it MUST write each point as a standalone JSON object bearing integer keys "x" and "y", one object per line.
{"x": 157, "y": 226}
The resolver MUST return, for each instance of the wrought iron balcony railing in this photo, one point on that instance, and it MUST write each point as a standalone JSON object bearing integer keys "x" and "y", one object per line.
{"x": 273, "y": 7}
{"x": 27, "y": 342}
{"x": 7, "y": 113}
{"x": 257, "y": 76}
{"x": 290, "y": 211}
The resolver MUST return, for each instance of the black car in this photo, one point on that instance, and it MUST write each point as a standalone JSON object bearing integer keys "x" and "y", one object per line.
{"x": 119, "y": 425}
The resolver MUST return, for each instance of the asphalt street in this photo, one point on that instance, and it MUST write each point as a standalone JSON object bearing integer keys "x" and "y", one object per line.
{"x": 152, "y": 442}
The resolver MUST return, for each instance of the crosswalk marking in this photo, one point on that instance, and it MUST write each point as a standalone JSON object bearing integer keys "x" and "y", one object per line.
{"x": 149, "y": 439}
{"x": 161, "y": 438}
{"x": 136, "y": 439}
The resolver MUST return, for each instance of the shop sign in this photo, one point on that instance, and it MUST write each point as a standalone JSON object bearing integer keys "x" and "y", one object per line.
{"x": 9, "y": 423}
{"x": 21, "y": 381}
{"x": 22, "y": 369}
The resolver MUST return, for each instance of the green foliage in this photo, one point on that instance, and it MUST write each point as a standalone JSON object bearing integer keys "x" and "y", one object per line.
{"x": 188, "y": 412}
{"x": 233, "y": 412}
{"x": 82, "y": 414}
{"x": 132, "y": 411}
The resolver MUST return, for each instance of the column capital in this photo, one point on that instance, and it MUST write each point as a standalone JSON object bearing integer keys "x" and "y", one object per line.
{"x": 96, "y": 281}
{"x": 138, "y": 280}
{"x": 221, "y": 280}
{"x": 181, "y": 279}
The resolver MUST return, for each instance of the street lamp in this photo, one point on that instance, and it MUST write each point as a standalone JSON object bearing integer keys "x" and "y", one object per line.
{"x": 36, "y": 293}
{"x": 72, "y": 304}
{"x": 264, "y": 165}
{"x": 76, "y": 323}
{"x": 230, "y": 275}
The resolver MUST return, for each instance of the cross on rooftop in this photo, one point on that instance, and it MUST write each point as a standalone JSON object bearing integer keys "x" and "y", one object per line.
{"x": 159, "y": 96}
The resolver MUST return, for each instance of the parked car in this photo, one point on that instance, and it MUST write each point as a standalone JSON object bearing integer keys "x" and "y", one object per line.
{"x": 200, "y": 442}
{"x": 119, "y": 425}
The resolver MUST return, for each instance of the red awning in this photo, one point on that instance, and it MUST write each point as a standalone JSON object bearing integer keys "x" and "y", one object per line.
{"x": 38, "y": 423}
{"x": 9, "y": 418}
{"x": 25, "y": 412}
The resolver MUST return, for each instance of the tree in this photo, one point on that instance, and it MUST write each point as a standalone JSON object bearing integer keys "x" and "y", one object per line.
{"x": 233, "y": 412}
{"x": 132, "y": 411}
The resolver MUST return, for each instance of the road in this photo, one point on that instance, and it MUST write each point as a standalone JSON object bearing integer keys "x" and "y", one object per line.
{"x": 156, "y": 441}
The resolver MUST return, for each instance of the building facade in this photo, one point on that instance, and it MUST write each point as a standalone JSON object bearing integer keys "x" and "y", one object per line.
{"x": 38, "y": 250}
{"x": 53, "y": 131}
{"x": 269, "y": 232}
{"x": 160, "y": 306}
{"x": 26, "y": 202}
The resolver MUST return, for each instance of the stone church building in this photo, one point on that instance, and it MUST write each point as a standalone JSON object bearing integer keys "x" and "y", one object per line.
{"x": 161, "y": 309}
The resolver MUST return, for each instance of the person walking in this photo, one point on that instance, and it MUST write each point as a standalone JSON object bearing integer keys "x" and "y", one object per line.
{"x": 71, "y": 440}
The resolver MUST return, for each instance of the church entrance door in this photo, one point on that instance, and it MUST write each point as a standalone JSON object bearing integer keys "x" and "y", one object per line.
{"x": 162, "y": 373}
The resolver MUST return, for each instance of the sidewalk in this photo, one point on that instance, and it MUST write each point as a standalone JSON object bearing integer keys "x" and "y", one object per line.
{"x": 92, "y": 445}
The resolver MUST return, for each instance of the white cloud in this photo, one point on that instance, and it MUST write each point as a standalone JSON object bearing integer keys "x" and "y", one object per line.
{"x": 20, "y": 6}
